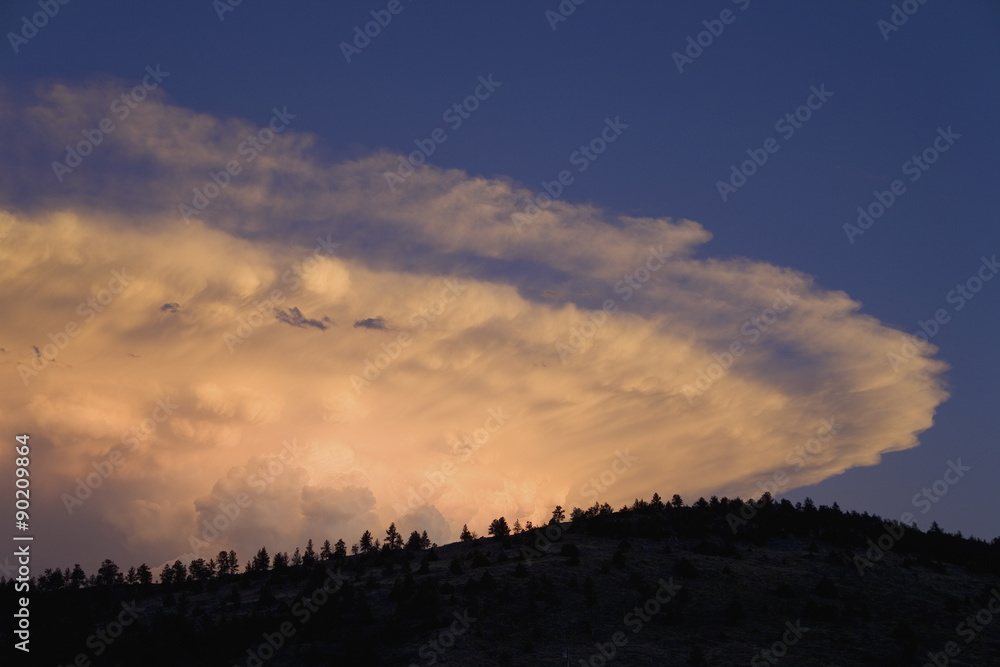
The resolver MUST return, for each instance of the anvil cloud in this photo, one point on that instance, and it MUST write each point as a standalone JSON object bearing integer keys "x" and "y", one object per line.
{"x": 366, "y": 440}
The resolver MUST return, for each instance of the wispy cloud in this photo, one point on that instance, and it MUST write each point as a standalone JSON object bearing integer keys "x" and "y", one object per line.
{"x": 493, "y": 346}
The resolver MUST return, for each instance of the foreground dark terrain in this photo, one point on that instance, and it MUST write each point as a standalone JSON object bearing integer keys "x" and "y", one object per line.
{"x": 654, "y": 584}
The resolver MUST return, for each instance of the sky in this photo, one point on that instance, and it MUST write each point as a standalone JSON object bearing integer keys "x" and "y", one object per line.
{"x": 281, "y": 271}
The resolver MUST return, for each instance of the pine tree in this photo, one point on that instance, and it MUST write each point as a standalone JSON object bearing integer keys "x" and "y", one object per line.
{"x": 309, "y": 557}
{"x": 326, "y": 553}
{"x": 392, "y": 537}
{"x": 466, "y": 536}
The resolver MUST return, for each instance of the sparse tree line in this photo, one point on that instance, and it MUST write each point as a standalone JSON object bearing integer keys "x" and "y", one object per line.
{"x": 225, "y": 564}
{"x": 731, "y": 518}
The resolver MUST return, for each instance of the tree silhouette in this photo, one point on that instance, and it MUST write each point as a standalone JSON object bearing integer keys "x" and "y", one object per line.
{"x": 413, "y": 543}
{"x": 296, "y": 558}
{"x": 261, "y": 562}
{"x": 77, "y": 579}
{"x": 145, "y": 575}
{"x": 392, "y": 537}
{"x": 466, "y": 536}
{"x": 107, "y": 574}
{"x": 309, "y": 557}
{"x": 180, "y": 572}
{"x": 326, "y": 553}
{"x": 425, "y": 542}
{"x": 499, "y": 528}
{"x": 366, "y": 544}
{"x": 340, "y": 549}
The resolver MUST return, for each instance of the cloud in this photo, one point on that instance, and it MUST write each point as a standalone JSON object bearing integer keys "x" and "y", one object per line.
{"x": 520, "y": 367}
{"x": 371, "y": 323}
{"x": 295, "y": 318}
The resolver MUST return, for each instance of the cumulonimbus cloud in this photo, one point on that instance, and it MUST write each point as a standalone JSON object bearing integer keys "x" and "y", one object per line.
{"x": 583, "y": 357}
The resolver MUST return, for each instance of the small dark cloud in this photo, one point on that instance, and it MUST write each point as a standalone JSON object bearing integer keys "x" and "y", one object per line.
{"x": 295, "y": 318}
{"x": 173, "y": 306}
{"x": 371, "y": 323}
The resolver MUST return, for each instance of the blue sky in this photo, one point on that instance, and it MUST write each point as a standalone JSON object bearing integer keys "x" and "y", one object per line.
{"x": 889, "y": 95}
